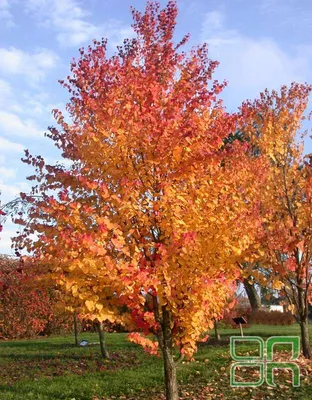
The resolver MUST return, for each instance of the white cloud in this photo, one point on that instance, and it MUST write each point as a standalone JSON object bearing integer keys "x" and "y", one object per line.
{"x": 214, "y": 20}
{"x": 70, "y": 22}
{"x": 7, "y": 173}
{"x": 6, "y": 92}
{"x": 76, "y": 32}
{"x": 7, "y": 146}
{"x": 5, "y": 13}
{"x": 25, "y": 114}
{"x": 11, "y": 124}
{"x": 67, "y": 18}
{"x": 5, "y": 239}
{"x": 8, "y": 101}
{"x": 33, "y": 66}
{"x": 250, "y": 64}
{"x": 25, "y": 103}
{"x": 116, "y": 32}
{"x": 10, "y": 191}
{"x": 10, "y": 231}
{"x": 38, "y": 104}
{"x": 52, "y": 161}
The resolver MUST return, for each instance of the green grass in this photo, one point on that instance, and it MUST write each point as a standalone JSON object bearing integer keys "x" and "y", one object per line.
{"x": 54, "y": 369}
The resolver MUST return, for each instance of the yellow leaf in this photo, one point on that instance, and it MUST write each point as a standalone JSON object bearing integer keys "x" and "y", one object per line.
{"x": 74, "y": 290}
{"x": 277, "y": 285}
{"x": 90, "y": 305}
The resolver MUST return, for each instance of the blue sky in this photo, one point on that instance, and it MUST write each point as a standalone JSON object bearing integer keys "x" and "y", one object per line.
{"x": 263, "y": 43}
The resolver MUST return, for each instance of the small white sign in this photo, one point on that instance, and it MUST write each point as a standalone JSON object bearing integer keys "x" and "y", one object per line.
{"x": 276, "y": 308}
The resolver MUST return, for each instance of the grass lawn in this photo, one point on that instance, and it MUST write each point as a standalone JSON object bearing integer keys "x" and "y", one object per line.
{"x": 54, "y": 369}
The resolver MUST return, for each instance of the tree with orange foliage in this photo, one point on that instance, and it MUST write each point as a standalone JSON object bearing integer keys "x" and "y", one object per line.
{"x": 156, "y": 208}
{"x": 272, "y": 124}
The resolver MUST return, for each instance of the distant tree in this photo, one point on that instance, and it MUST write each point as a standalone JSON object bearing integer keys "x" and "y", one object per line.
{"x": 24, "y": 309}
{"x": 273, "y": 124}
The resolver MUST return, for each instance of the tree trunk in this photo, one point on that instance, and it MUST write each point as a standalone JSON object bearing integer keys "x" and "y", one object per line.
{"x": 217, "y": 334}
{"x": 76, "y": 329}
{"x": 303, "y": 320}
{"x": 104, "y": 351}
{"x": 253, "y": 297}
{"x": 305, "y": 340}
{"x": 170, "y": 375}
{"x": 165, "y": 339}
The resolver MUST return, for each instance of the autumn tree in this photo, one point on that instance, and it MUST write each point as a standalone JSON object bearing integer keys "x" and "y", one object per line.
{"x": 150, "y": 215}
{"x": 273, "y": 124}
{"x": 26, "y": 309}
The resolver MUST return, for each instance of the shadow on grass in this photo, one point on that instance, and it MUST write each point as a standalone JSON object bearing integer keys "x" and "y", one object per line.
{"x": 48, "y": 345}
{"x": 38, "y": 344}
{"x": 33, "y": 357}
{"x": 94, "y": 355}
